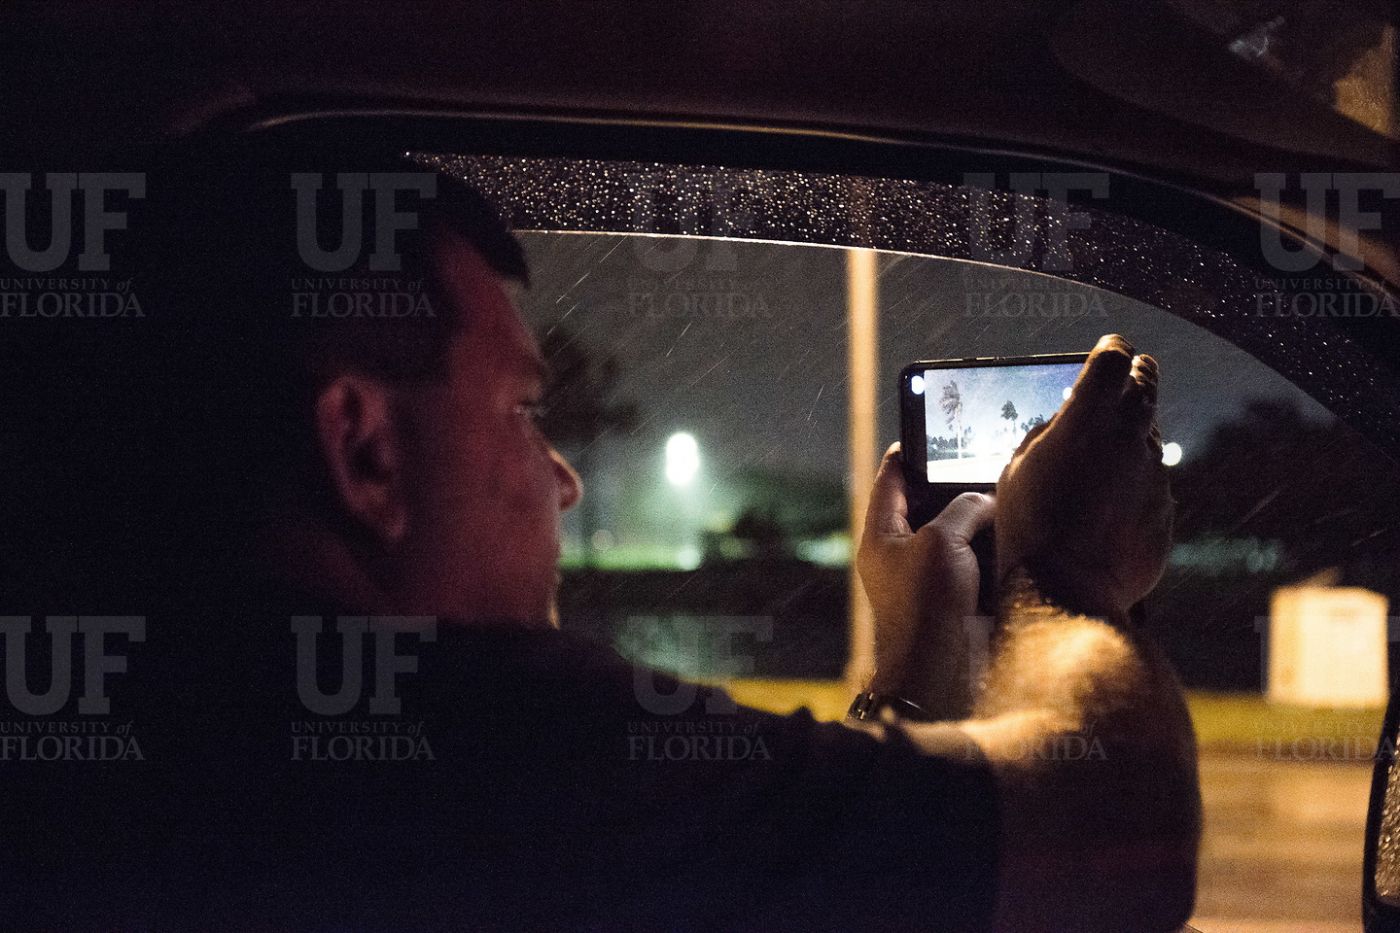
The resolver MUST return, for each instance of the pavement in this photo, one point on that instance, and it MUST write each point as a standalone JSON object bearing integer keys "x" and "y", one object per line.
{"x": 1283, "y": 843}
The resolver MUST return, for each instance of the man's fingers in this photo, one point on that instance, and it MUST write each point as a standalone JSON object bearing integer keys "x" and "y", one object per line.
{"x": 888, "y": 512}
{"x": 966, "y": 515}
{"x": 1139, "y": 402}
{"x": 1033, "y": 433}
{"x": 1100, "y": 382}
{"x": 1146, "y": 372}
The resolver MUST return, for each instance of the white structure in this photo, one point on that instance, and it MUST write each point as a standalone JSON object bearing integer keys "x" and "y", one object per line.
{"x": 1327, "y": 647}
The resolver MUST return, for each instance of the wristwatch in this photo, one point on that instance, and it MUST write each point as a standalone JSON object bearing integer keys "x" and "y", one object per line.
{"x": 870, "y": 705}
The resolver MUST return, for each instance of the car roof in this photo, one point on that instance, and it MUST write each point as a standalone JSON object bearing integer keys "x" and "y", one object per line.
{"x": 1036, "y": 75}
{"x": 1128, "y": 87}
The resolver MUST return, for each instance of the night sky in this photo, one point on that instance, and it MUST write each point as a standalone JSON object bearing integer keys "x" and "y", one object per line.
{"x": 742, "y": 344}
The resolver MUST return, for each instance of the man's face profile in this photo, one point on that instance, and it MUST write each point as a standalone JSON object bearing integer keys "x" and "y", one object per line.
{"x": 492, "y": 487}
{"x": 474, "y": 490}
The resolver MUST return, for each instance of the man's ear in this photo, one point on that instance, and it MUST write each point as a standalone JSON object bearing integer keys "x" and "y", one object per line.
{"x": 361, "y": 441}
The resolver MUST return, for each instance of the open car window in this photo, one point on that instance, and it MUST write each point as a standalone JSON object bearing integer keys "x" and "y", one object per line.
{"x": 700, "y": 325}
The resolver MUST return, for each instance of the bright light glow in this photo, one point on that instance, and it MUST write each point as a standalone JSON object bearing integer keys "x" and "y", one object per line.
{"x": 916, "y": 385}
{"x": 1069, "y": 390}
{"x": 688, "y": 557}
{"x": 682, "y": 459}
{"x": 1171, "y": 453}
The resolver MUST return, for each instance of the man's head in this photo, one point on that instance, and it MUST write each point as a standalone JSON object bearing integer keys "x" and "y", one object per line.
{"x": 369, "y": 431}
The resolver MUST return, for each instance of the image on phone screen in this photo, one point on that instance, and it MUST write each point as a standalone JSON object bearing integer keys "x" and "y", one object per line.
{"x": 976, "y": 416}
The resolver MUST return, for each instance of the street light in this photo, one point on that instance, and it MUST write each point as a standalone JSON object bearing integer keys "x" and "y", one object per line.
{"x": 682, "y": 459}
{"x": 1171, "y": 453}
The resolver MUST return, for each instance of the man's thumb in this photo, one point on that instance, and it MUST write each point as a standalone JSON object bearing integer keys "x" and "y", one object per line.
{"x": 888, "y": 512}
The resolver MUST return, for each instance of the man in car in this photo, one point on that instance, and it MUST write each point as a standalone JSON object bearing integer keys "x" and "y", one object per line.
{"x": 314, "y": 469}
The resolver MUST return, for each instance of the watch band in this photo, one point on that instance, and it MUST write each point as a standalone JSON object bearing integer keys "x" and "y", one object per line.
{"x": 870, "y": 705}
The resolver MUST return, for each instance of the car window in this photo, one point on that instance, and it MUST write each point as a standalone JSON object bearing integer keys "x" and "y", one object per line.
{"x": 703, "y": 392}
{"x": 703, "y": 386}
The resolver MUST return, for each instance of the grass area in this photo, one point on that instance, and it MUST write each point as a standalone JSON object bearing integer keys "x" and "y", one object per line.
{"x": 827, "y": 699}
{"x": 1241, "y": 721}
{"x": 629, "y": 557}
{"x": 1248, "y": 720}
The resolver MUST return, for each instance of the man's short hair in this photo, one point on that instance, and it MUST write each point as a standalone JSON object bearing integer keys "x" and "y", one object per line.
{"x": 228, "y": 243}
{"x": 253, "y": 319}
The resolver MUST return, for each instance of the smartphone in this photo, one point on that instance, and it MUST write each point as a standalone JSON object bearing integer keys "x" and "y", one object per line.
{"x": 961, "y": 420}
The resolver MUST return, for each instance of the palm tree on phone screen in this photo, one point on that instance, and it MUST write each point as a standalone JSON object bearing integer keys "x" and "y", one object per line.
{"x": 951, "y": 403}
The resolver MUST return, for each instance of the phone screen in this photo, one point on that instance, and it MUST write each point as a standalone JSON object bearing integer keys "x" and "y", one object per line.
{"x": 975, "y": 416}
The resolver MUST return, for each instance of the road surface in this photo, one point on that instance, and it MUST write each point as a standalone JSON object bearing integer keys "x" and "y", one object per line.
{"x": 1283, "y": 844}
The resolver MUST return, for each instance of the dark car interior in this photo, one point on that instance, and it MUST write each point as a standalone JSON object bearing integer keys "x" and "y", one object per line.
{"x": 699, "y": 187}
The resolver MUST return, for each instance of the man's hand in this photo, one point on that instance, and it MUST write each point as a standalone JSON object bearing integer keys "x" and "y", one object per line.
{"x": 1102, "y": 843}
{"x": 922, "y": 584}
{"x": 1084, "y": 506}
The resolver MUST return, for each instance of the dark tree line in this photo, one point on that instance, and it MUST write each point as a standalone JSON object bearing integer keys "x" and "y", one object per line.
{"x": 1322, "y": 490}
{"x": 1319, "y": 494}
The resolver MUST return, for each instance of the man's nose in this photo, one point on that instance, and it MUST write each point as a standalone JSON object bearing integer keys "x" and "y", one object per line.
{"x": 570, "y": 486}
